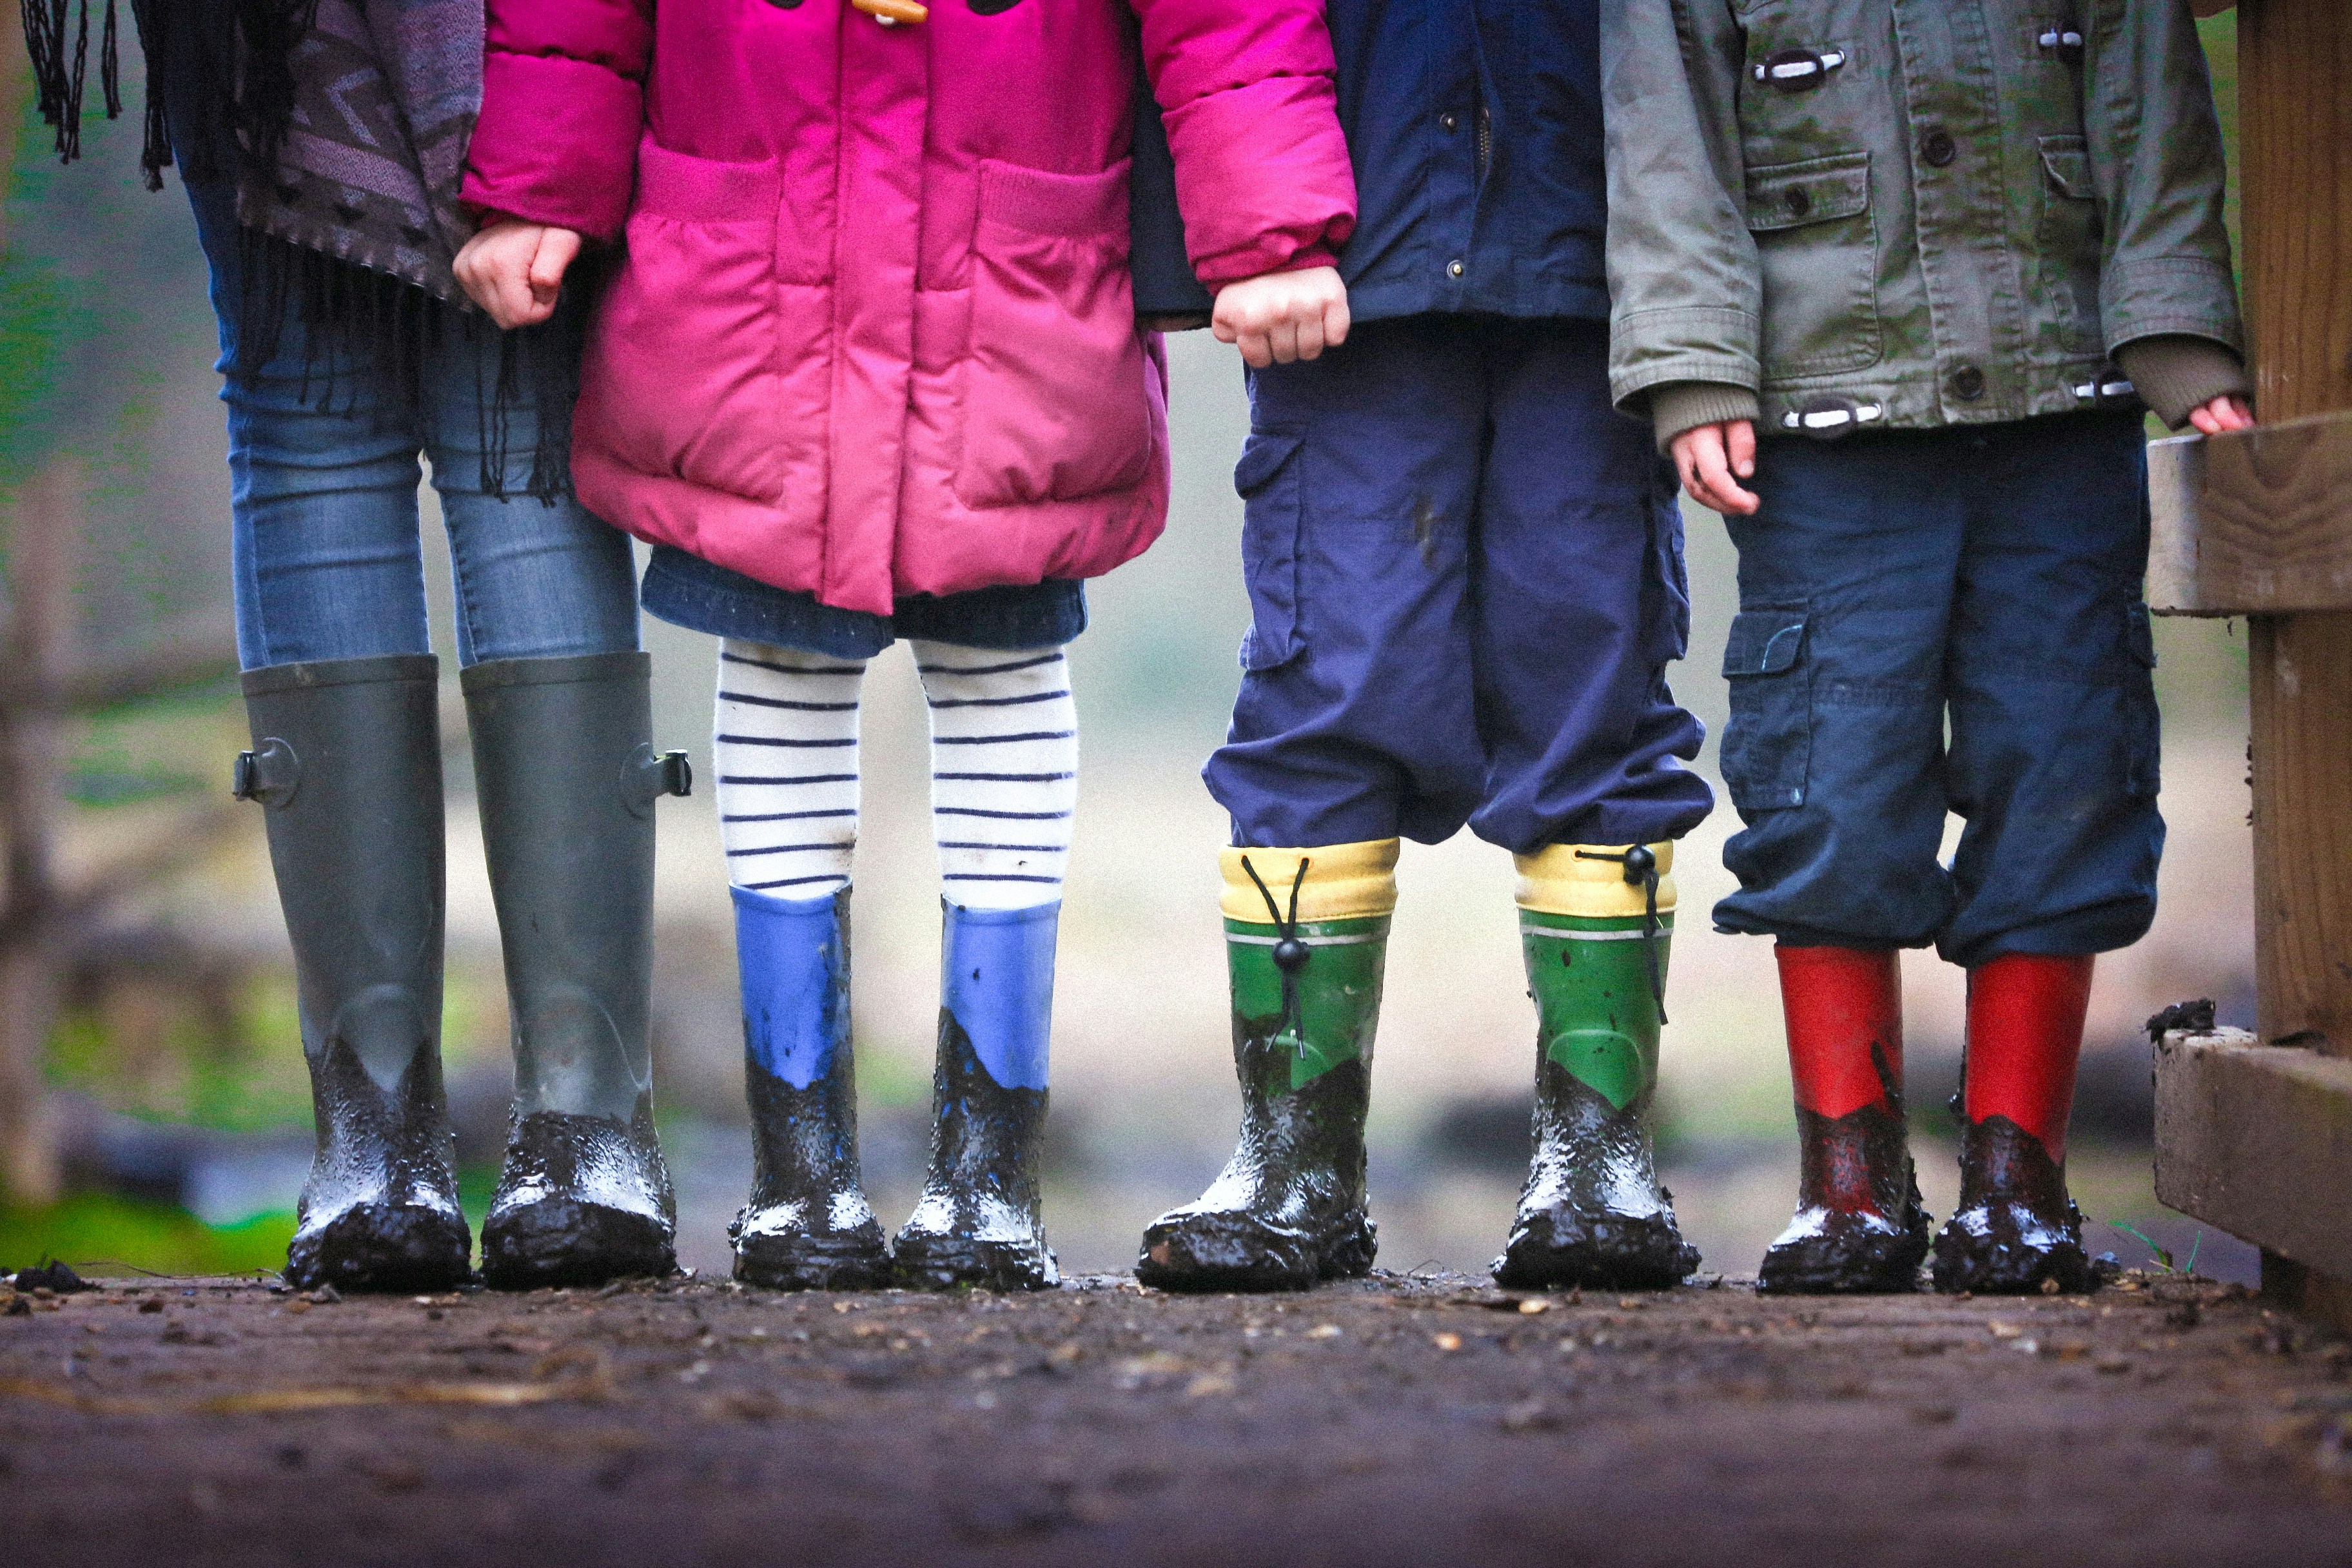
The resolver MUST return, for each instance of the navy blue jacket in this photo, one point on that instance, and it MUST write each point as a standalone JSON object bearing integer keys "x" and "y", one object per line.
{"x": 1476, "y": 130}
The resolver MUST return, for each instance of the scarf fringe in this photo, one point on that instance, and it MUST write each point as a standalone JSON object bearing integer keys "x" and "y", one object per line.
{"x": 353, "y": 315}
{"x": 60, "y": 76}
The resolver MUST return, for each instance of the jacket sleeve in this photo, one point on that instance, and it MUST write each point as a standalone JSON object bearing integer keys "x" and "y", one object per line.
{"x": 2157, "y": 159}
{"x": 1682, "y": 275}
{"x": 1262, "y": 171}
{"x": 562, "y": 110}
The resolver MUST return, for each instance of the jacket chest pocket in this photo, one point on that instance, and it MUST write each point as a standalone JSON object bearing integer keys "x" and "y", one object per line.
{"x": 2069, "y": 239}
{"x": 1817, "y": 255}
{"x": 1055, "y": 399}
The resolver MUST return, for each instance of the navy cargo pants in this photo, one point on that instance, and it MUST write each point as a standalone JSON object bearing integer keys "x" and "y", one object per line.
{"x": 1465, "y": 581}
{"x": 1987, "y": 576}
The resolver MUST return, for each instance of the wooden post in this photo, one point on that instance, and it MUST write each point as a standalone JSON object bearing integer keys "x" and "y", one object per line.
{"x": 2295, "y": 148}
{"x": 36, "y": 646}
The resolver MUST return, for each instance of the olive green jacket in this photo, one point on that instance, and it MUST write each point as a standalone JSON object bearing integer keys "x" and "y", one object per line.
{"x": 1880, "y": 213}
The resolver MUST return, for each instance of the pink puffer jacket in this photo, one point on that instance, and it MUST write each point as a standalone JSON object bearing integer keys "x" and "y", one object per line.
{"x": 874, "y": 332}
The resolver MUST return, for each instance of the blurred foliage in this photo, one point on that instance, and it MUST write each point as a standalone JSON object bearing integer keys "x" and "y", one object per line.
{"x": 101, "y": 1234}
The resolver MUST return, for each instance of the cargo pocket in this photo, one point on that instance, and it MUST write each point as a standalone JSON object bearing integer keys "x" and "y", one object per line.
{"x": 1267, "y": 478}
{"x": 1768, "y": 747}
{"x": 1816, "y": 250}
{"x": 1055, "y": 405}
{"x": 2069, "y": 241}
{"x": 2143, "y": 768}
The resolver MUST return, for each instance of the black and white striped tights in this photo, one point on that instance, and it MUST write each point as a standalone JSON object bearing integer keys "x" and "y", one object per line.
{"x": 1005, "y": 770}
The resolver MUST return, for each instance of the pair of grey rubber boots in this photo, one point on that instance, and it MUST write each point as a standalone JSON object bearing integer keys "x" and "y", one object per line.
{"x": 346, "y": 762}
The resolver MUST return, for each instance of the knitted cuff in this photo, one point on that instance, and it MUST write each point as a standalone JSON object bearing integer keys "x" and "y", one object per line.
{"x": 2176, "y": 374}
{"x": 1681, "y": 405}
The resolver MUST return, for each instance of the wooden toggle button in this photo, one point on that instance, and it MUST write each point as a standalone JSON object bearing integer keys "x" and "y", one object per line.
{"x": 890, "y": 13}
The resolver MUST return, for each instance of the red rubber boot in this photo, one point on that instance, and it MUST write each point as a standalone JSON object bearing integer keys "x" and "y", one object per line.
{"x": 1859, "y": 1225}
{"x": 2016, "y": 1228}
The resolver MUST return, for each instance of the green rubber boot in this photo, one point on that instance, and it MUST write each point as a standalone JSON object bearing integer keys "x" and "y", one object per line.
{"x": 1593, "y": 1213}
{"x": 1288, "y": 1209}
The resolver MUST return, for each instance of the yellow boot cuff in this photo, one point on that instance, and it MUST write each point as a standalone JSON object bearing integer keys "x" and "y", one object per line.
{"x": 1344, "y": 881}
{"x": 1558, "y": 881}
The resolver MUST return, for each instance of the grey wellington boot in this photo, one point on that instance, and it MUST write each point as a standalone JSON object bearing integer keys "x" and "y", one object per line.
{"x": 346, "y": 762}
{"x": 567, "y": 777}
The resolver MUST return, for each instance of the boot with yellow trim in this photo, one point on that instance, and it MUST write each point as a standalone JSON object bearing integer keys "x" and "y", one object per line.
{"x": 1595, "y": 923}
{"x": 1305, "y": 940}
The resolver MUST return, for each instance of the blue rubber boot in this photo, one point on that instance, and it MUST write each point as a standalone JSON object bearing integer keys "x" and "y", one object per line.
{"x": 808, "y": 1226}
{"x": 978, "y": 1221}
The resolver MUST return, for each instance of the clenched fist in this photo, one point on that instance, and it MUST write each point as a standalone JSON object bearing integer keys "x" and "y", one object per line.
{"x": 514, "y": 271}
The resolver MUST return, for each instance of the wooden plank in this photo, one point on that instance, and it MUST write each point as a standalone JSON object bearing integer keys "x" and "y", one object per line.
{"x": 2295, "y": 142}
{"x": 2256, "y": 521}
{"x": 2257, "y": 1139}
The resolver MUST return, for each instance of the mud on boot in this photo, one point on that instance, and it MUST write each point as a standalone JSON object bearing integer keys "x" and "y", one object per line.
{"x": 1596, "y": 924}
{"x": 582, "y": 1200}
{"x": 2015, "y": 1226}
{"x": 978, "y": 1221}
{"x": 346, "y": 762}
{"x": 1306, "y": 946}
{"x": 1859, "y": 1227}
{"x": 808, "y": 1226}
{"x": 380, "y": 1209}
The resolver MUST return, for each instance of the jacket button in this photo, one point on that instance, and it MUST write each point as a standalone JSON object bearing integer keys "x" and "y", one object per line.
{"x": 1937, "y": 147}
{"x": 1447, "y": 120}
{"x": 1453, "y": 269}
{"x": 1799, "y": 201}
{"x": 1968, "y": 384}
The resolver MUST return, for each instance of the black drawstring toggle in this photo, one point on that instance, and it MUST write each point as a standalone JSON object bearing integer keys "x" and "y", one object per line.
{"x": 1642, "y": 871}
{"x": 1290, "y": 953}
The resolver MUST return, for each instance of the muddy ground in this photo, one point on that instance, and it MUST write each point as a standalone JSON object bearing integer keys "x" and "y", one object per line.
{"x": 1396, "y": 1420}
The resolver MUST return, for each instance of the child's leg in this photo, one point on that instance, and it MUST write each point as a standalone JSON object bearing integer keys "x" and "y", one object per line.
{"x": 1578, "y": 585}
{"x": 786, "y": 755}
{"x": 1005, "y": 781}
{"x": 1356, "y": 725}
{"x": 1834, "y": 758}
{"x": 2055, "y": 758}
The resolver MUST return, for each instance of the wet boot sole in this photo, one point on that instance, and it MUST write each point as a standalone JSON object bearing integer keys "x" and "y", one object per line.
{"x": 562, "y": 1241}
{"x": 1238, "y": 1252}
{"x": 813, "y": 1263}
{"x": 382, "y": 1247}
{"x": 1988, "y": 1267}
{"x": 1846, "y": 1265}
{"x": 952, "y": 1262}
{"x": 1598, "y": 1252}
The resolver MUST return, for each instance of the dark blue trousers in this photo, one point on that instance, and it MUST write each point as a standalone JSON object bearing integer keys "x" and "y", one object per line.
{"x": 1988, "y": 578}
{"x": 1466, "y": 580}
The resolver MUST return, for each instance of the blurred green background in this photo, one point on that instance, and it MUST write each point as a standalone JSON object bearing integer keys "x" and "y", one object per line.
{"x": 174, "y": 1080}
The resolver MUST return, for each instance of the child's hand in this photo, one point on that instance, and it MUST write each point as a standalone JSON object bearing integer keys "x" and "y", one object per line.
{"x": 1709, "y": 456}
{"x": 514, "y": 269}
{"x": 1278, "y": 317}
{"x": 2226, "y": 413}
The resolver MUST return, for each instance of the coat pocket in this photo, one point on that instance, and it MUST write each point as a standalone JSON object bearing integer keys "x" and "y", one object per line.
{"x": 1055, "y": 399}
{"x": 1817, "y": 254}
{"x": 682, "y": 376}
{"x": 1768, "y": 747}
{"x": 2069, "y": 239}
{"x": 1272, "y": 499}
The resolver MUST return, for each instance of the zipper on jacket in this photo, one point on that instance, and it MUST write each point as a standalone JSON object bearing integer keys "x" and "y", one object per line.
{"x": 1485, "y": 143}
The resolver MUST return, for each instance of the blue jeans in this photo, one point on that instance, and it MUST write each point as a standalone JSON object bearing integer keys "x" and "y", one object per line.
{"x": 1989, "y": 577}
{"x": 1466, "y": 578}
{"x": 328, "y": 557}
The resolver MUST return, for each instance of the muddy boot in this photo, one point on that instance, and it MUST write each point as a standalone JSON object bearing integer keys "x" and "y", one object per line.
{"x": 346, "y": 760}
{"x": 2015, "y": 1227}
{"x": 567, "y": 778}
{"x": 1859, "y": 1227}
{"x": 978, "y": 1221}
{"x": 808, "y": 1226}
{"x": 1306, "y": 944}
{"x": 1595, "y": 923}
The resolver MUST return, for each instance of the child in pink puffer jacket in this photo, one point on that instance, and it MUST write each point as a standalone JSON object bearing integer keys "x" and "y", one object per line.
{"x": 868, "y": 367}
